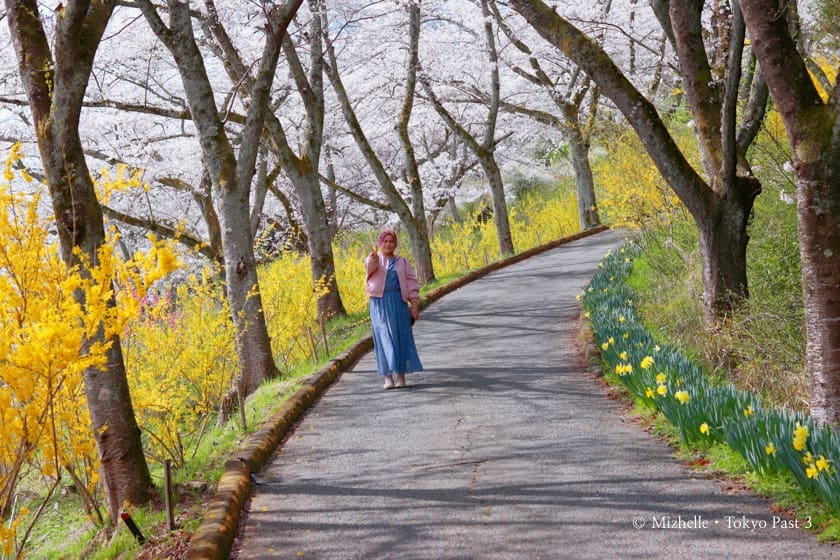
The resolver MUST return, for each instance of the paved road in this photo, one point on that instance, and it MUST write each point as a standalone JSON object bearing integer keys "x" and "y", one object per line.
{"x": 502, "y": 449}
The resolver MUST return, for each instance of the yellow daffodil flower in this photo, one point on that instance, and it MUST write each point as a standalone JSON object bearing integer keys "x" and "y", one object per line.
{"x": 649, "y": 393}
{"x": 822, "y": 463}
{"x": 770, "y": 449}
{"x": 682, "y": 396}
{"x": 660, "y": 378}
{"x": 647, "y": 361}
{"x": 662, "y": 390}
{"x": 704, "y": 428}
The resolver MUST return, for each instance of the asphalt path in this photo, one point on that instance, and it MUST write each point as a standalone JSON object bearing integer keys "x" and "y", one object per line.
{"x": 503, "y": 448}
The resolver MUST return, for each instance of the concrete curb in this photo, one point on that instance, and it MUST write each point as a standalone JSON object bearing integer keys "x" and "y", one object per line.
{"x": 214, "y": 537}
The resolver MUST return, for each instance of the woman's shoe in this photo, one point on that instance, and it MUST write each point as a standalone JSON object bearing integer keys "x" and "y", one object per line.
{"x": 400, "y": 384}
{"x": 389, "y": 382}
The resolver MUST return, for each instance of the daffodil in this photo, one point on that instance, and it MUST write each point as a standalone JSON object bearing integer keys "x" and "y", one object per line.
{"x": 682, "y": 396}
{"x": 660, "y": 378}
{"x": 626, "y": 336}
{"x": 586, "y": 314}
{"x": 621, "y": 318}
{"x": 611, "y": 340}
{"x": 748, "y": 411}
{"x": 704, "y": 428}
{"x": 623, "y": 355}
{"x": 812, "y": 472}
{"x": 662, "y": 390}
{"x": 770, "y": 449}
{"x": 807, "y": 458}
{"x": 800, "y": 436}
{"x": 822, "y": 463}
{"x": 647, "y": 361}
{"x": 604, "y": 346}
{"x": 656, "y": 348}
{"x": 649, "y": 393}
{"x": 577, "y": 297}
{"x": 612, "y": 278}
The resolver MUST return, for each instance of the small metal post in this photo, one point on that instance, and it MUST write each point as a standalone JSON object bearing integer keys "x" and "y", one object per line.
{"x": 170, "y": 514}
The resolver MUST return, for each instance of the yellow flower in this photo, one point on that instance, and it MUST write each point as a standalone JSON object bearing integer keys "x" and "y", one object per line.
{"x": 682, "y": 396}
{"x": 626, "y": 260}
{"x": 770, "y": 449}
{"x": 626, "y": 336}
{"x": 822, "y": 463}
{"x": 662, "y": 390}
{"x": 604, "y": 346}
{"x": 605, "y": 290}
{"x": 800, "y": 436}
{"x": 621, "y": 318}
{"x": 630, "y": 302}
{"x": 660, "y": 378}
{"x": 704, "y": 428}
{"x": 623, "y": 355}
{"x": 586, "y": 314}
{"x": 611, "y": 340}
{"x": 612, "y": 278}
{"x": 656, "y": 348}
{"x": 601, "y": 265}
{"x": 649, "y": 393}
{"x": 647, "y": 361}
{"x": 812, "y": 472}
{"x": 807, "y": 458}
{"x": 748, "y": 411}
{"x": 577, "y": 297}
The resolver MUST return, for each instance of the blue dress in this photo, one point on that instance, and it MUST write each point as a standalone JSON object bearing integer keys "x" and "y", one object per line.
{"x": 390, "y": 319}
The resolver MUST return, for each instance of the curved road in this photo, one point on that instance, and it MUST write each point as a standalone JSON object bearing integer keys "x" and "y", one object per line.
{"x": 503, "y": 448}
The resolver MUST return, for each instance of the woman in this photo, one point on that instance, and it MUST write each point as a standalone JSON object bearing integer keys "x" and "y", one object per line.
{"x": 392, "y": 286}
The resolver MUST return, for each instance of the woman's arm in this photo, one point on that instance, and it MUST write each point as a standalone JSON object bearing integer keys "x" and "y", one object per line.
{"x": 413, "y": 285}
{"x": 371, "y": 262}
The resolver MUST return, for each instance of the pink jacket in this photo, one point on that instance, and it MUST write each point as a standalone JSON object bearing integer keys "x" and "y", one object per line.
{"x": 377, "y": 270}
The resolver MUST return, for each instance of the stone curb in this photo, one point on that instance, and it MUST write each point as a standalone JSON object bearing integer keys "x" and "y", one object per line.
{"x": 214, "y": 537}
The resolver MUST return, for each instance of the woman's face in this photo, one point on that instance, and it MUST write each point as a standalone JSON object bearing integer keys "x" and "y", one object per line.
{"x": 387, "y": 245}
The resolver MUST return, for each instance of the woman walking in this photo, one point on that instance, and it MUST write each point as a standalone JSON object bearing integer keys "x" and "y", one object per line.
{"x": 392, "y": 286}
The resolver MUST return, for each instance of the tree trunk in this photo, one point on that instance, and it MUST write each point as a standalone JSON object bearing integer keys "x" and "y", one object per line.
{"x": 584, "y": 182}
{"x": 253, "y": 344}
{"x": 818, "y": 208}
{"x": 500, "y": 213}
{"x": 319, "y": 238}
{"x": 55, "y": 89}
{"x": 723, "y": 249}
{"x": 421, "y": 250}
{"x": 812, "y": 129}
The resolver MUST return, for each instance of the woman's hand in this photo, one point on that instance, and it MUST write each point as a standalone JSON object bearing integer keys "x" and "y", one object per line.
{"x": 372, "y": 252}
{"x": 415, "y": 311}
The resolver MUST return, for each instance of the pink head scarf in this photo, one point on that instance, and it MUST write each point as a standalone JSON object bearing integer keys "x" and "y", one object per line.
{"x": 385, "y": 233}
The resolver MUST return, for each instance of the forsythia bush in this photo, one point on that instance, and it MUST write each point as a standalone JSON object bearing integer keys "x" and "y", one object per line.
{"x": 771, "y": 440}
{"x": 45, "y": 346}
{"x": 632, "y": 193}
